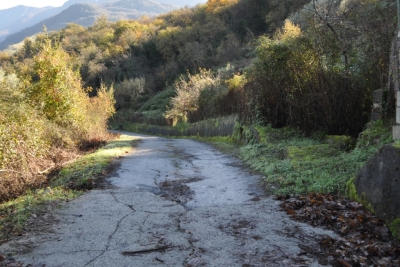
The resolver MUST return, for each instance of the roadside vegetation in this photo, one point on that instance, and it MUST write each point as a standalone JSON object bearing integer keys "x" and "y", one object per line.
{"x": 291, "y": 162}
{"x": 48, "y": 121}
{"x": 61, "y": 185}
{"x": 294, "y": 74}
{"x": 46, "y": 115}
{"x": 294, "y": 164}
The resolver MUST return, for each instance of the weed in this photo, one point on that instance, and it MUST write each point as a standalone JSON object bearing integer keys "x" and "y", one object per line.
{"x": 395, "y": 228}
{"x": 83, "y": 171}
{"x": 77, "y": 175}
{"x": 308, "y": 165}
{"x": 294, "y": 164}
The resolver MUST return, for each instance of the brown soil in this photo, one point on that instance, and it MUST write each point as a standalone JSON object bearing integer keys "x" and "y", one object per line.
{"x": 177, "y": 190}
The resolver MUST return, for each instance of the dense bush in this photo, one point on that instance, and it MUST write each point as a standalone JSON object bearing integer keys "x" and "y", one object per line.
{"x": 291, "y": 84}
{"x": 126, "y": 92}
{"x": 320, "y": 75}
{"x": 23, "y": 145}
{"x": 199, "y": 95}
{"x": 43, "y": 112}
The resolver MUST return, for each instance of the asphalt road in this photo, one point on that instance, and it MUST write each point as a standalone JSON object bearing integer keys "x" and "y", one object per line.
{"x": 172, "y": 203}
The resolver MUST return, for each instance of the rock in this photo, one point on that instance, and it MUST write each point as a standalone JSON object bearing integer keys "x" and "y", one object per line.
{"x": 342, "y": 142}
{"x": 378, "y": 183}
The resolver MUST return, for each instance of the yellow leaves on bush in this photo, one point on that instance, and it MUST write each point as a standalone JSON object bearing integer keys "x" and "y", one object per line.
{"x": 60, "y": 96}
{"x": 289, "y": 31}
{"x": 236, "y": 82}
{"x": 58, "y": 92}
{"x": 47, "y": 112}
{"x": 98, "y": 110}
{"x": 188, "y": 93}
{"x": 23, "y": 143}
{"x": 215, "y": 5}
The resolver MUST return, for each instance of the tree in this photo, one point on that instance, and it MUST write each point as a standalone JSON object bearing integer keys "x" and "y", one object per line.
{"x": 58, "y": 93}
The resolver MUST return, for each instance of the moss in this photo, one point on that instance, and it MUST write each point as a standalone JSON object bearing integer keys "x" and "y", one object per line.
{"x": 309, "y": 153}
{"x": 237, "y": 133}
{"x": 395, "y": 228}
{"x": 342, "y": 142}
{"x": 396, "y": 144}
{"x": 376, "y": 134}
{"x": 351, "y": 193}
{"x": 262, "y": 133}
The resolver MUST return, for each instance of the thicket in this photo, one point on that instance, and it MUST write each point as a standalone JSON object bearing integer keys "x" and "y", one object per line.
{"x": 156, "y": 52}
{"x": 200, "y": 96}
{"x": 45, "y": 112}
{"x": 319, "y": 75}
{"x": 316, "y": 73}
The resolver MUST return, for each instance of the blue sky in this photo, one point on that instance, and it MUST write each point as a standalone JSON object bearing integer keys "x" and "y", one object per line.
{"x": 35, "y": 3}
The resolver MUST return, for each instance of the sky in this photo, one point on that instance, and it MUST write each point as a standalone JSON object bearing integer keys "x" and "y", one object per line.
{"x": 4, "y": 4}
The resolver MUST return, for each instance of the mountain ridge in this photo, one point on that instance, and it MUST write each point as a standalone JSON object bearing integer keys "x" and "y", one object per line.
{"x": 83, "y": 12}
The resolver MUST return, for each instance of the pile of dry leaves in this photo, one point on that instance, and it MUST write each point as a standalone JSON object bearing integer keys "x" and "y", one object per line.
{"x": 362, "y": 238}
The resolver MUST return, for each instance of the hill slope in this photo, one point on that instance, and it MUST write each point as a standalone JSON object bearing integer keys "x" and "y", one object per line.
{"x": 20, "y": 17}
{"x": 73, "y": 11}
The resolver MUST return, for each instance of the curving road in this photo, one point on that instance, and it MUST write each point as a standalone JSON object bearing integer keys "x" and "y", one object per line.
{"x": 173, "y": 203}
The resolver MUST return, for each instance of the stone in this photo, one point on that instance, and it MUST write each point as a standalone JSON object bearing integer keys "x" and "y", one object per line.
{"x": 396, "y": 132}
{"x": 343, "y": 142}
{"x": 378, "y": 183}
{"x": 376, "y": 116}
{"x": 398, "y": 98}
{"x": 378, "y": 96}
{"x": 397, "y": 115}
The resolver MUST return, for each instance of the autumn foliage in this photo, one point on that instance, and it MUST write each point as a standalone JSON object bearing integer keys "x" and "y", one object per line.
{"x": 45, "y": 112}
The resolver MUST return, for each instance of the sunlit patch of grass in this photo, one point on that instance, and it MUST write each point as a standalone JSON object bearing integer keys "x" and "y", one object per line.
{"x": 15, "y": 213}
{"x": 85, "y": 169}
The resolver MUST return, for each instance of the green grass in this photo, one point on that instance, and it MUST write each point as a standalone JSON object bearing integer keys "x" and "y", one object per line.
{"x": 160, "y": 101}
{"x": 84, "y": 169}
{"x": 294, "y": 164}
{"x": 15, "y": 213}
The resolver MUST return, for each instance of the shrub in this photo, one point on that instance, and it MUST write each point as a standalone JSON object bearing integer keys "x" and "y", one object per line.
{"x": 188, "y": 94}
{"x": 127, "y": 92}
{"x": 58, "y": 92}
{"x": 290, "y": 83}
{"x": 201, "y": 96}
{"x": 23, "y": 146}
{"x": 45, "y": 114}
{"x": 98, "y": 111}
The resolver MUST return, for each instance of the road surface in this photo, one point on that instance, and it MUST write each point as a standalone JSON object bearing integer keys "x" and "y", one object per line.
{"x": 172, "y": 203}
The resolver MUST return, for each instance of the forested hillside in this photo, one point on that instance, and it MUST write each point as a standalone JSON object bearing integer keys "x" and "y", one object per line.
{"x": 308, "y": 64}
{"x": 82, "y": 12}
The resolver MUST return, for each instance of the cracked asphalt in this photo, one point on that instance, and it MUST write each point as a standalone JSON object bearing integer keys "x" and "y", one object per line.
{"x": 172, "y": 203}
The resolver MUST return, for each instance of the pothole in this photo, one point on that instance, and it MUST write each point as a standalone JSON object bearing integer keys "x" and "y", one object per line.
{"x": 177, "y": 190}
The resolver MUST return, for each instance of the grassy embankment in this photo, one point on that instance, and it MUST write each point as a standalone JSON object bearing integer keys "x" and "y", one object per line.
{"x": 292, "y": 163}
{"x": 68, "y": 183}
